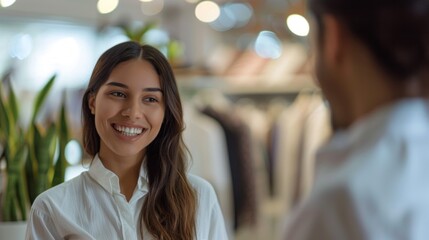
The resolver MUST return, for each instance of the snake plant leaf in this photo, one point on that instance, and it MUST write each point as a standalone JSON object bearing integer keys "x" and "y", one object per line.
{"x": 16, "y": 198}
{"x": 52, "y": 138}
{"x": 29, "y": 155}
{"x": 9, "y": 126}
{"x": 31, "y": 164}
{"x": 40, "y": 149}
{"x": 41, "y": 97}
{"x": 22, "y": 195}
{"x": 4, "y": 120}
{"x": 8, "y": 122}
{"x": 50, "y": 144}
{"x": 13, "y": 105}
{"x": 42, "y": 145}
{"x": 63, "y": 138}
{"x": 128, "y": 33}
{"x": 30, "y": 170}
{"x": 13, "y": 117}
{"x": 8, "y": 204}
{"x": 139, "y": 33}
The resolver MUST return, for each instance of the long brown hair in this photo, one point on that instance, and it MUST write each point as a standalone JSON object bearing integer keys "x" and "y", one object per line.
{"x": 169, "y": 208}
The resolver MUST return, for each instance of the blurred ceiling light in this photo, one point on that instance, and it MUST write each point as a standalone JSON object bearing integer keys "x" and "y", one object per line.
{"x": 22, "y": 46}
{"x": 232, "y": 15}
{"x": 226, "y": 20}
{"x": 298, "y": 25}
{"x": 107, "y": 6}
{"x": 242, "y": 12}
{"x": 7, "y": 3}
{"x": 192, "y": 1}
{"x": 151, "y": 8}
{"x": 268, "y": 45}
{"x": 146, "y": 0}
{"x": 207, "y": 11}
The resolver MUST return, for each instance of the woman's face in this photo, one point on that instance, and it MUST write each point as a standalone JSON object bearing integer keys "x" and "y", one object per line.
{"x": 129, "y": 110}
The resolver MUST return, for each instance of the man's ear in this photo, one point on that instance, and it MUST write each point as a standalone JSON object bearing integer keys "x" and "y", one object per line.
{"x": 91, "y": 102}
{"x": 334, "y": 39}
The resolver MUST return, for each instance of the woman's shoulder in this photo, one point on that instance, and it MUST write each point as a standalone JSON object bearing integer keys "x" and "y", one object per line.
{"x": 199, "y": 183}
{"x": 59, "y": 193}
{"x": 203, "y": 188}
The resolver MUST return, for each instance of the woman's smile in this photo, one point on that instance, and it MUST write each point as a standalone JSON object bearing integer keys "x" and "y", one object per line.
{"x": 128, "y": 131}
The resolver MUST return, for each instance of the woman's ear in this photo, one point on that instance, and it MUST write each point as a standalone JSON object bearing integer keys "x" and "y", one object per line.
{"x": 334, "y": 39}
{"x": 91, "y": 103}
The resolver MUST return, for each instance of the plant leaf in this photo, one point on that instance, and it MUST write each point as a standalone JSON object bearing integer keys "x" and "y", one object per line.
{"x": 22, "y": 195}
{"x": 128, "y": 32}
{"x": 13, "y": 105}
{"x": 63, "y": 138}
{"x": 139, "y": 33}
{"x": 41, "y": 97}
{"x": 42, "y": 143}
{"x": 8, "y": 199}
{"x": 32, "y": 165}
{"x": 4, "y": 120}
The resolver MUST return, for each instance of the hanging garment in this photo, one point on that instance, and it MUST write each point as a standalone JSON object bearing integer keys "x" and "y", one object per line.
{"x": 290, "y": 150}
{"x": 274, "y": 110}
{"x": 242, "y": 169}
{"x": 208, "y": 158}
{"x": 257, "y": 122}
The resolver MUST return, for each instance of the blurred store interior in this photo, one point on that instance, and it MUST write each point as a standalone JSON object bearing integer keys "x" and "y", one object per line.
{"x": 253, "y": 112}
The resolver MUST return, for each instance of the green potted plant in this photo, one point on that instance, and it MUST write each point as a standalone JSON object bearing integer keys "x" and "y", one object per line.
{"x": 173, "y": 48}
{"x": 29, "y": 153}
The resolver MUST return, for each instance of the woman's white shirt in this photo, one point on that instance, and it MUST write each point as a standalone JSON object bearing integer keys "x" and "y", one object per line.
{"x": 91, "y": 206}
{"x": 371, "y": 180}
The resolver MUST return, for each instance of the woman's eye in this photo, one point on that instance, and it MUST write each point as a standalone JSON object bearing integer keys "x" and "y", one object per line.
{"x": 150, "y": 99}
{"x": 118, "y": 94}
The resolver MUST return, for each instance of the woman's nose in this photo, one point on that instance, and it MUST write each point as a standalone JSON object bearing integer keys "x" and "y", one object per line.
{"x": 133, "y": 111}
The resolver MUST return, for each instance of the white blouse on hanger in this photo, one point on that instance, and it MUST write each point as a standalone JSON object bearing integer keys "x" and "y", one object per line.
{"x": 208, "y": 158}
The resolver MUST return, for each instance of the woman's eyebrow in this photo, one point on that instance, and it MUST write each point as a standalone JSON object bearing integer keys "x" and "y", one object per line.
{"x": 150, "y": 89}
{"x": 117, "y": 84}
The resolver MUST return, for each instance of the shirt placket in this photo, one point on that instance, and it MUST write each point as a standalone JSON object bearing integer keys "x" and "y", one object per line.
{"x": 125, "y": 214}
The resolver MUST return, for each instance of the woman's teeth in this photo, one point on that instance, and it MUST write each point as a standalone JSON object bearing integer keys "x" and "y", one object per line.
{"x": 128, "y": 131}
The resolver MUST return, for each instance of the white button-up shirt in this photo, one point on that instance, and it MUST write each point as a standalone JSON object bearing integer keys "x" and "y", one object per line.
{"x": 91, "y": 206}
{"x": 372, "y": 180}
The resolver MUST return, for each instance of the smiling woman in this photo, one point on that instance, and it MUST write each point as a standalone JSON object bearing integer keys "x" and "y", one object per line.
{"x": 137, "y": 186}
{"x": 130, "y": 101}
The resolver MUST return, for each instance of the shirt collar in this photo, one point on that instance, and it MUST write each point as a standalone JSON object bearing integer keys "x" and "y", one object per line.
{"x": 404, "y": 117}
{"x": 110, "y": 181}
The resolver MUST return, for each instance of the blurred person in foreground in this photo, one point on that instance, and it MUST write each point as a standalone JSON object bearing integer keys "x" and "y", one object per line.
{"x": 372, "y": 177}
